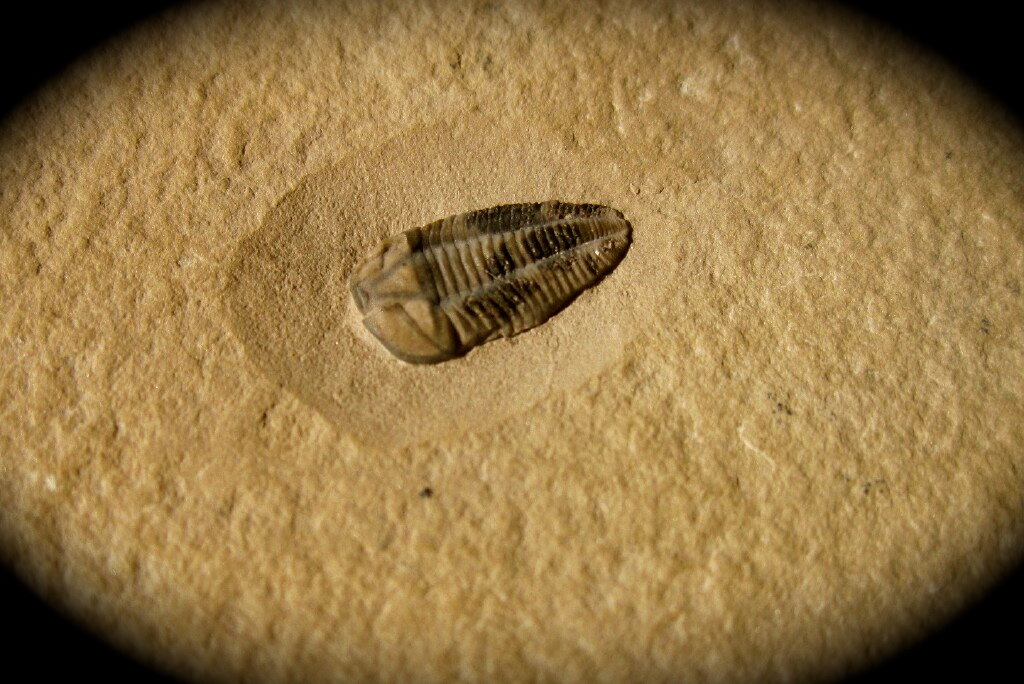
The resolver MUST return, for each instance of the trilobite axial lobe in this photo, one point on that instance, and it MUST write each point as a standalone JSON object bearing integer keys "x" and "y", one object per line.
{"x": 433, "y": 293}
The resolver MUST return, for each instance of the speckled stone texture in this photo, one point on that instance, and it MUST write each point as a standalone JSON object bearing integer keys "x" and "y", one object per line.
{"x": 793, "y": 445}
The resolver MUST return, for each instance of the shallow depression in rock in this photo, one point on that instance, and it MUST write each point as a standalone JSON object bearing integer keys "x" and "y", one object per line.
{"x": 291, "y": 306}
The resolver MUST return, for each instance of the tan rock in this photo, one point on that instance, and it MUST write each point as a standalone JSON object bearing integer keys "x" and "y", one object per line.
{"x": 781, "y": 440}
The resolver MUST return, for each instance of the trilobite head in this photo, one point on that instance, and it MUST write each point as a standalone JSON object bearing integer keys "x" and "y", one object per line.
{"x": 430, "y": 294}
{"x": 388, "y": 287}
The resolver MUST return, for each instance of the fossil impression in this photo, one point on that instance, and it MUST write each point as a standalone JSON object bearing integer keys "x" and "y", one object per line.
{"x": 433, "y": 293}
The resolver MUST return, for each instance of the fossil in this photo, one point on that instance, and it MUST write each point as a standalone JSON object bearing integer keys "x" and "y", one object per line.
{"x": 433, "y": 293}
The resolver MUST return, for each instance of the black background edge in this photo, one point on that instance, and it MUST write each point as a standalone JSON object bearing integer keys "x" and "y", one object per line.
{"x": 979, "y": 38}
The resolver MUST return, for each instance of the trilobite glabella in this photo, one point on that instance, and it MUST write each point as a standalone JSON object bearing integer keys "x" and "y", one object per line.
{"x": 433, "y": 293}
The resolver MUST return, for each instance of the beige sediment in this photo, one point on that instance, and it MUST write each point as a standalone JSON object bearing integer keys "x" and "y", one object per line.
{"x": 781, "y": 439}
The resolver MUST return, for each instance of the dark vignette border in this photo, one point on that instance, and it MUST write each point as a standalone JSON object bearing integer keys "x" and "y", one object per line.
{"x": 980, "y": 38}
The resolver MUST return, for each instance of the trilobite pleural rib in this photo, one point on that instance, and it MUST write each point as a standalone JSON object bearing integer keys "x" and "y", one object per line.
{"x": 433, "y": 293}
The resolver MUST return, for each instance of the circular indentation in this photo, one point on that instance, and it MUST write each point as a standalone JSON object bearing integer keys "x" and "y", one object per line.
{"x": 289, "y": 292}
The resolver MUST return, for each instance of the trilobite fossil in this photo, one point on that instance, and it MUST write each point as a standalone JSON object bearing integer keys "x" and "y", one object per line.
{"x": 433, "y": 293}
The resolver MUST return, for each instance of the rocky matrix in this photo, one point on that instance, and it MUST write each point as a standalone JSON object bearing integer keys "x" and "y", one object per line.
{"x": 781, "y": 439}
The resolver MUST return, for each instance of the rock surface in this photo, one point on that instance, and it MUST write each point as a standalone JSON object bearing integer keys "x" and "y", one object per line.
{"x": 794, "y": 446}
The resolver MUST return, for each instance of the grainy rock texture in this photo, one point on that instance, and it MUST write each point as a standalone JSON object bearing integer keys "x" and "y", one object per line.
{"x": 783, "y": 438}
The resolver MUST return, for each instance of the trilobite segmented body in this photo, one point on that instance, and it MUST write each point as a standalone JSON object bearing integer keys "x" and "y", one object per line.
{"x": 433, "y": 293}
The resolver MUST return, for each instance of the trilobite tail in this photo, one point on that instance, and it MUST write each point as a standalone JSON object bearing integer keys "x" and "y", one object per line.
{"x": 397, "y": 296}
